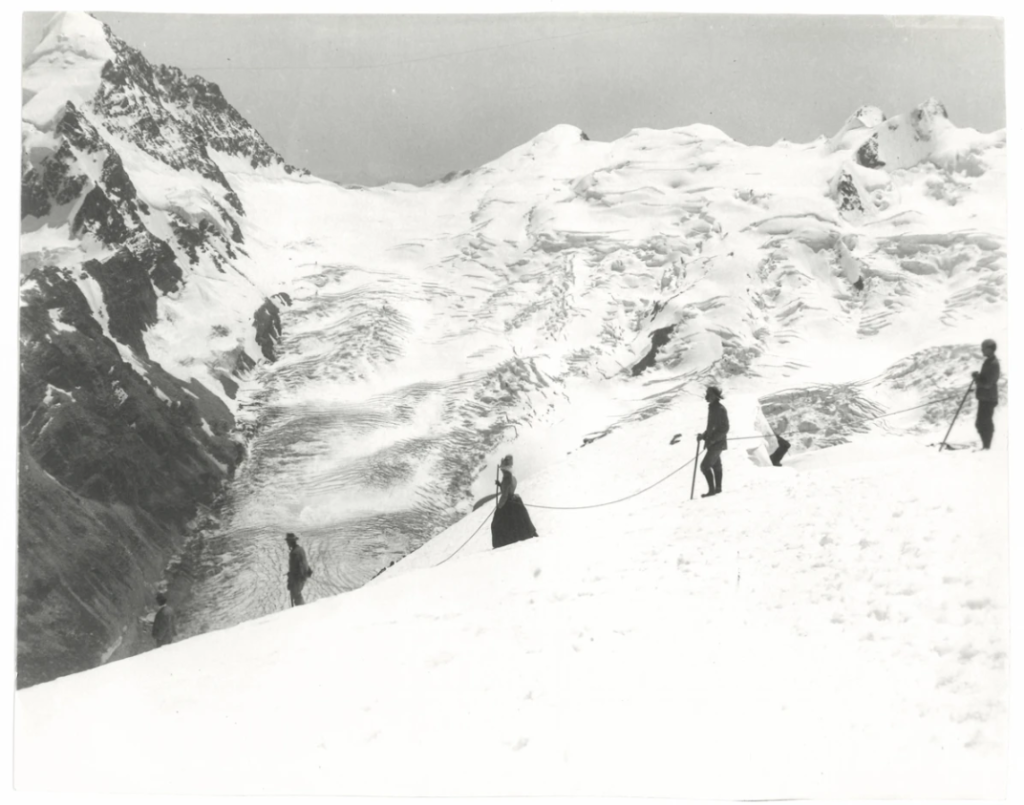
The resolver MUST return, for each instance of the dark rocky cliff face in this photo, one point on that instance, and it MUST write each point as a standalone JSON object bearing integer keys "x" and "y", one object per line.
{"x": 113, "y": 464}
{"x": 117, "y": 454}
{"x": 867, "y": 154}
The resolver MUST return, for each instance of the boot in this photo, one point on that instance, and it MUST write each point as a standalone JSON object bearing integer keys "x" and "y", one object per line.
{"x": 718, "y": 480}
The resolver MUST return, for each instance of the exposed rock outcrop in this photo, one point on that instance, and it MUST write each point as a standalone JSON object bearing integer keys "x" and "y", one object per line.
{"x": 114, "y": 447}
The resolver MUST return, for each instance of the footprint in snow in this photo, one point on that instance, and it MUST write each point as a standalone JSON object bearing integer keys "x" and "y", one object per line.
{"x": 967, "y": 654}
{"x": 980, "y": 603}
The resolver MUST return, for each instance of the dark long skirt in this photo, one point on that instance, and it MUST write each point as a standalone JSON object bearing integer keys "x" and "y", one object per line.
{"x": 511, "y": 523}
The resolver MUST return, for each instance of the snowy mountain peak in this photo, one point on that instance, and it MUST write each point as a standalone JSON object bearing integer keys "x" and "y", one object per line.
{"x": 562, "y": 134}
{"x": 924, "y": 115}
{"x": 857, "y": 128}
{"x": 549, "y": 152}
{"x": 66, "y": 66}
{"x": 173, "y": 117}
{"x": 75, "y": 32}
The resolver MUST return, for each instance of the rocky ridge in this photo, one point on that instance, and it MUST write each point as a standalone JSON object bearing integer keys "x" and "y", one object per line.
{"x": 131, "y": 447}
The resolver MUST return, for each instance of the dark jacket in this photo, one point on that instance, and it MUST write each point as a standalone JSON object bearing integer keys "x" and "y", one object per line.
{"x": 164, "y": 630}
{"x": 718, "y": 426}
{"x": 987, "y": 382}
{"x": 780, "y": 451}
{"x": 507, "y": 488}
{"x": 298, "y": 567}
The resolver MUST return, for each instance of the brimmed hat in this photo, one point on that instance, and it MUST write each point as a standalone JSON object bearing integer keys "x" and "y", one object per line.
{"x": 290, "y": 537}
{"x": 506, "y": 462}
{"x": 716, "y": 391}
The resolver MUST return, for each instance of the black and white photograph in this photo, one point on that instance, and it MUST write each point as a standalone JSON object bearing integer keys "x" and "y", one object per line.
{"x": 538, "y": 402}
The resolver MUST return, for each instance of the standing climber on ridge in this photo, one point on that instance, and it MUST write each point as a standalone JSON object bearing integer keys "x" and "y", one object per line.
{"x": 987, "y": 391}
{"x": 164, "y": 628}
{"x": 511, "y": 521}
{"x": 714, "y": 437}
{"x": 298, "y": 569}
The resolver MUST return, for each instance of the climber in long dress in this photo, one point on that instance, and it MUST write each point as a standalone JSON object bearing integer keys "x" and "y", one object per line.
{"x": 511, "y": 521}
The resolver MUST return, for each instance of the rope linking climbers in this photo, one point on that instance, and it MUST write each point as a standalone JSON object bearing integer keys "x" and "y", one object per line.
{"x": 592, "y": 506}
{"x": 676, "y": 470}
{"x": 904, "y": 410}
{"x": 645, "y": 489}
{"x": 611, "y": 502}
{"x": 731, "y": 439}
{"x": 463, "y": 545}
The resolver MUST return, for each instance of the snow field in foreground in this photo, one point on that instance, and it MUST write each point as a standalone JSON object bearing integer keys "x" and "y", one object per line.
{"x": 835, "y": 627}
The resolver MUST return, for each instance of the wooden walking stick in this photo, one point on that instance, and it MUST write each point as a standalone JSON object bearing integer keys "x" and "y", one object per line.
{"x": 943, "y": 442}
{"x": 693, "y": 483}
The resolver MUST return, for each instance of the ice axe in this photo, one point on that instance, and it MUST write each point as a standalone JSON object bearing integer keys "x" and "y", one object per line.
{"x": 483, "y": 500}
{"x": 696, "y": 455}
{"x": 943, "y": 442}
{"x": 676, "y": 438}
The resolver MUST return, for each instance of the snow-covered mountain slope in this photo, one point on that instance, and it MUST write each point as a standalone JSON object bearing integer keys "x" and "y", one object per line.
{"x": 378, "y": 348}
{"x": 141, "y": 312}
{"x": 835, "y": 628}
{"x": 571, "y": 288}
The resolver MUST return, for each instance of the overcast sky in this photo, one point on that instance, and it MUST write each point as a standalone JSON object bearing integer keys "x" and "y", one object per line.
{"x": 369, "y": 99}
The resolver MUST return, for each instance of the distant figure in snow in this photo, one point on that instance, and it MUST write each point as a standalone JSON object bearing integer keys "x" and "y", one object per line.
{"x": 987, "y": 391}
{"x": 298, "y": 569}
{"x": 511, "y": 521}
{"x": 714, "y": 440}
{"x": 780, "y": 451}
{"x": 164, "y": 629}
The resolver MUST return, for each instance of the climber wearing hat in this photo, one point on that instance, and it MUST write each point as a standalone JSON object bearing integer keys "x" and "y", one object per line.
{"x": 714, "y": 440}
{"x": 511, "y": 522}
{"x": 298, "y": 569}
{"x": 987, "y": 391}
